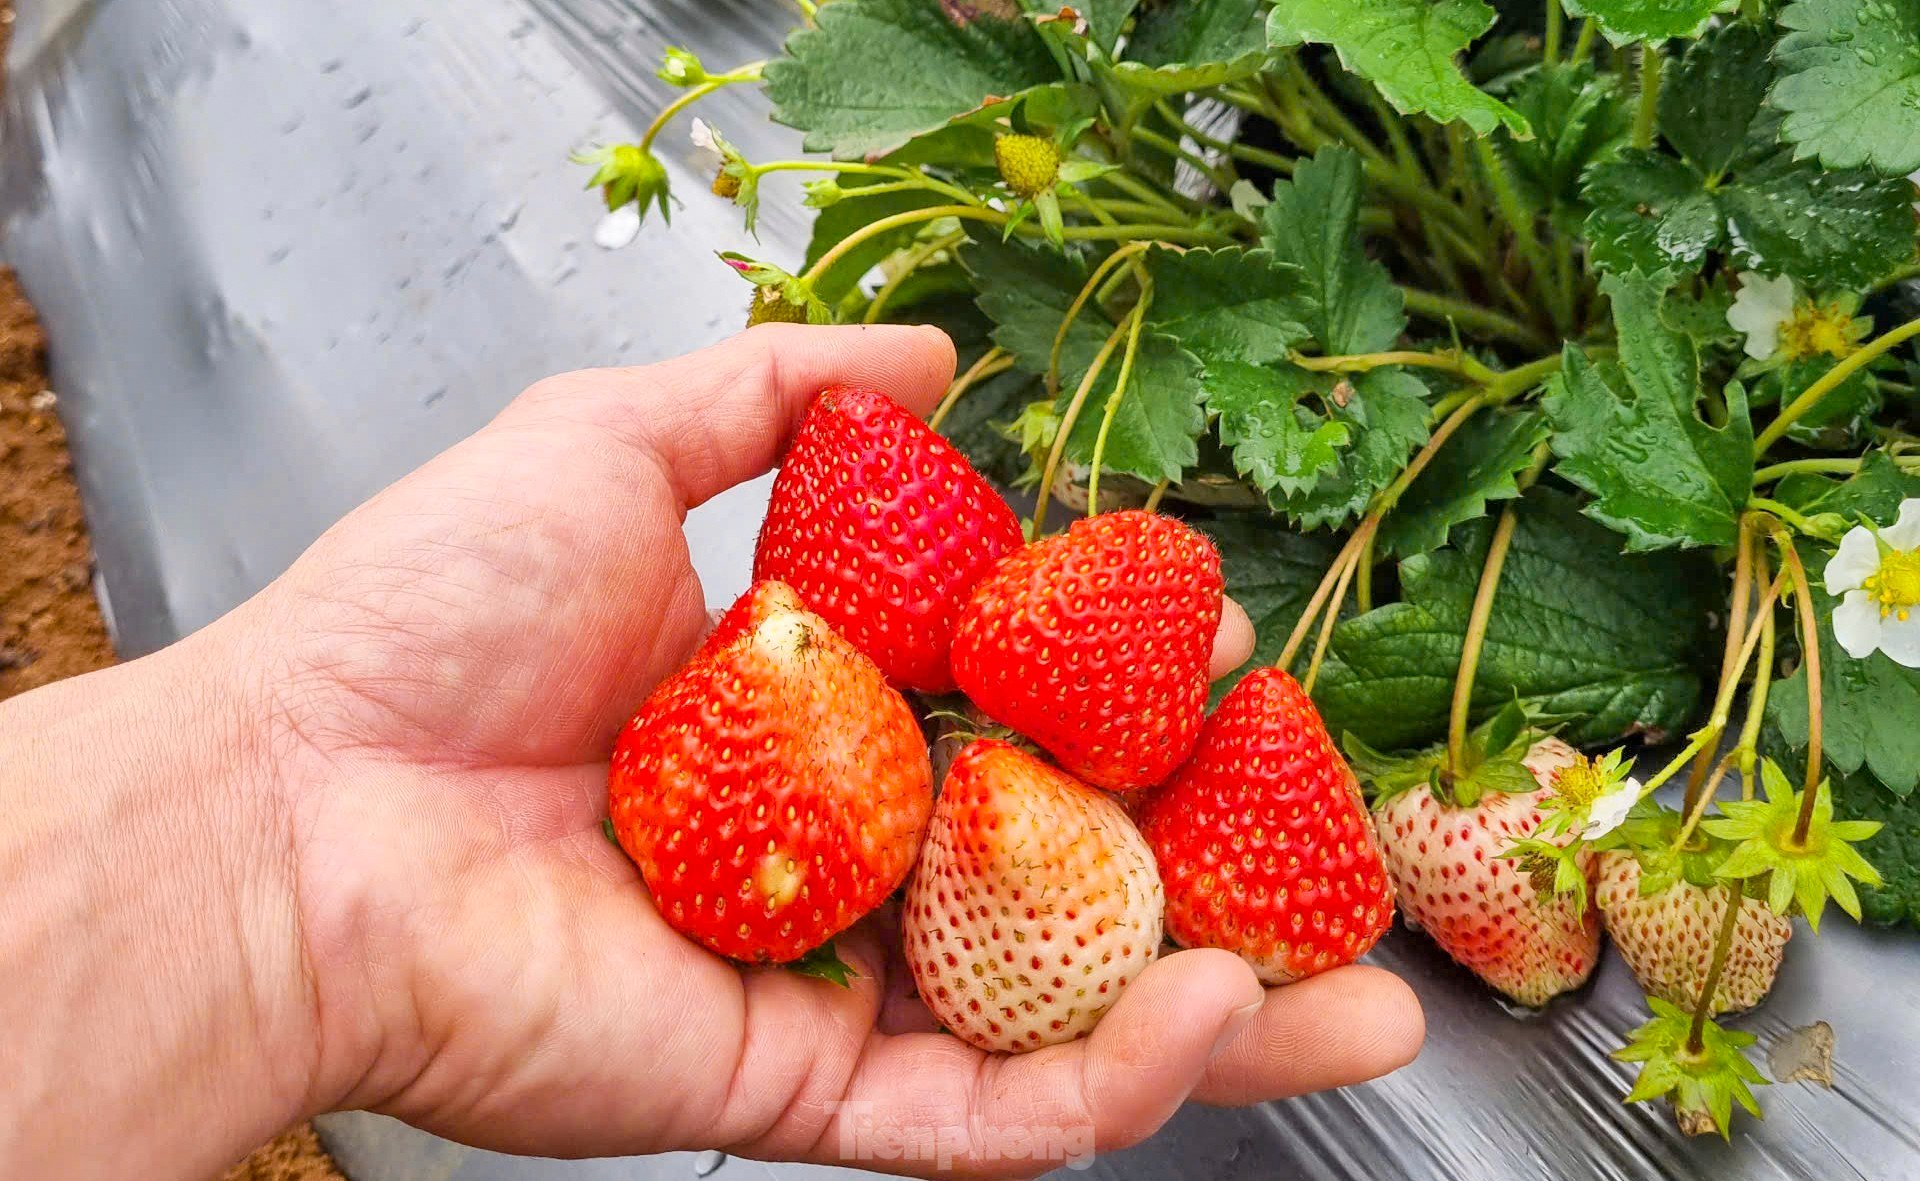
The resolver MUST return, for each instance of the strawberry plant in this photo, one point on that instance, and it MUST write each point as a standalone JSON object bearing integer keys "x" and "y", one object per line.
{"x": 1534, "y": 367}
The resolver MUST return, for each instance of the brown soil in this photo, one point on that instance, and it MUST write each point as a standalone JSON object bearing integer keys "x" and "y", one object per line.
{"x": 50, "y": 624}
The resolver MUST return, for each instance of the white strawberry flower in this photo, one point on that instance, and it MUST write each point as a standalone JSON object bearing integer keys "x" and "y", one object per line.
{"x": 701, "y": 133}
{"x": 1610, "y": 810}
{"x": 1760, "y": 308}
{"x": 1876, "y": 576}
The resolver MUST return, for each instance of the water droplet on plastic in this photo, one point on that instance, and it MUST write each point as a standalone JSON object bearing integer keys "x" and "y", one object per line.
{"x": 708, "y": 1163}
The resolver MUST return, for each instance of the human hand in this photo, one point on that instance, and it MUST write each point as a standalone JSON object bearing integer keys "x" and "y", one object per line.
{"x": 437, "y": 683}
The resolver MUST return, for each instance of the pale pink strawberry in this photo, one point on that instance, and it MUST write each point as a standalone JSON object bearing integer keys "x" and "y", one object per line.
{"x": 1480, "y": 907}
{"x": 1667, "y": 938}
{"x": 1036, "y": 901}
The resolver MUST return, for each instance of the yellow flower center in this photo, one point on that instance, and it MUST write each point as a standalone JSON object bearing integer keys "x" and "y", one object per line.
{"x": 1578, "y": 785}
{"x": 1896, "y": 585}
{"x": 1814, "y": 331}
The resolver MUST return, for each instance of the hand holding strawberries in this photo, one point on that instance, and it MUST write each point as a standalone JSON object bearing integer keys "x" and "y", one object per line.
{"x": 387, "y": 774}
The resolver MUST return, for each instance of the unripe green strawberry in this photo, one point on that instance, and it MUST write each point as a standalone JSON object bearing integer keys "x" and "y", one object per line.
{"x": 1667, "y": 938}
{"x": 770, "y": 306}
{"x": 1030, "y": 164}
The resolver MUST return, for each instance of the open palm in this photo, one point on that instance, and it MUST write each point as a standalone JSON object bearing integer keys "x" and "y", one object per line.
{"x": 447, "y": 669}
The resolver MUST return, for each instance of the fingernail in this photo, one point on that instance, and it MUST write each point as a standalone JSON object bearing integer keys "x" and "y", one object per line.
{"x": 1237, "y": 1020}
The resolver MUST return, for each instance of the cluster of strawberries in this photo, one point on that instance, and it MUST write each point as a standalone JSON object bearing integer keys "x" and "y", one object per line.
{"x": 779, "y": 786}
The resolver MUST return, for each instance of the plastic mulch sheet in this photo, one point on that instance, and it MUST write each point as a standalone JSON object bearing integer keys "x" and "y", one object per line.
{"x": 286, "y": 251}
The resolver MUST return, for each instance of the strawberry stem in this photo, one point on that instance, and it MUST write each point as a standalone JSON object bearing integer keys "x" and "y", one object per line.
{"x": 1475, "y": 640}
{"x": 1810, "y": 657}
{"x": 1341, "y": 561}
{"x": 1134, "y": 324}
{"x": 1736, "y": 631}
{"x": 1087, "y": 289}
{"x": 1722, "y": 951}
{"x": 995, "y": 360}
{"x": 910, "y": 264}
{"x": 1072, "y": 415}
{"x": 1332, "y": 615}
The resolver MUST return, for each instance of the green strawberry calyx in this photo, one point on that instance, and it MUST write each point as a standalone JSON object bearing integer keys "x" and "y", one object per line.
{"x": 778, "y": 295}
{"x": 1800, "y": 873}
{"x": 1699, "y": 1066}
{"x": 1494, "y": 760}
{"x": 824, "y": 963}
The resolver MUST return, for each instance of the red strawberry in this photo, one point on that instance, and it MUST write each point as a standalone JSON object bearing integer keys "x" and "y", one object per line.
{"x": 1095, "y": 644}
{"x": 775, "y": 789}
{"x": 1667, "y": 937}
{"x": 883, "y": 528}
{"x": 1035, "y": 903}
{"x": 1481, "y": 908}
{"x": 1263, "y": 841}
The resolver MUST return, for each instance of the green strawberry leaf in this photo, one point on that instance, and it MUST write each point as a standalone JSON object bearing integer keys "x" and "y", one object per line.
{"x": 1651, "y": 213}
{"x": 1628, "y": 432}
{"x": 824, "y": 963}
{"x": 1158, "y": 420}
{"x": 1713, "y": 95}
{"x": 1385, "y": 413}
{"x": 1478, "y": 465}
{"x": 1278, "y": 444}
{"x": 1616, "y": 643}
{"x": 1349, "y": 302}
{"x": 1867, "y": 707}
{"x": 1406, "y": 48}
{"x": 1271, "y": 571}
{"x": 872, "y": 74}
{"x": 1850, "y": 83}
{"x": 1831, "y": 230}
{"x": 1227, "y": 305}
{"x": 1624, "y": 21}
{"x": 1577, "y": 119}
{"x": 1194, "y": 45}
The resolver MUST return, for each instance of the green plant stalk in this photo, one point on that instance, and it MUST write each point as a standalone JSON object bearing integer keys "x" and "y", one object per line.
{"x": 1139, "y": 190}
{"x": 1154, "y": 497}
{"x": 1472, "y": 317}
{"x": 1136, "y": 320}
{"x": 1583, "y": 44}
{"x": 1396, "y": 132}
{"x": 916, "y": 177}
{"x": 994, "y": 361}
{"x": 1831, "y": 380}
{"x": 1648, "y": 110}
{"x": 913, "y": 262}
{"x": 1524, "y": 236}
{"x": 1786, "y": 513}
{"x": 1065, "y": 431}
{"x": 1321, "y": 107}
{"x": 1447, "y": 360}
{"x": 1709, "y": 734}
{"x": 1778, "y": 471}
{"x": 1722, "y": 951}
{"x": 1756, "y": 707}
{"x": 1153, "y": 139}
{"x": 1556, "y": 21}
{"x": 1106, "y": 267}
{"x": 1348, "y": 555}
{"x": 1332, "y": 616}
{"x": 1475, "y": 640}
{"x": 1810, "y": 660}
{"x": 1901, "y": 274}
{"x": 747, "y": 73}
{"x": 1100, "y": 233}
{"x": 1738, "y": 602}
